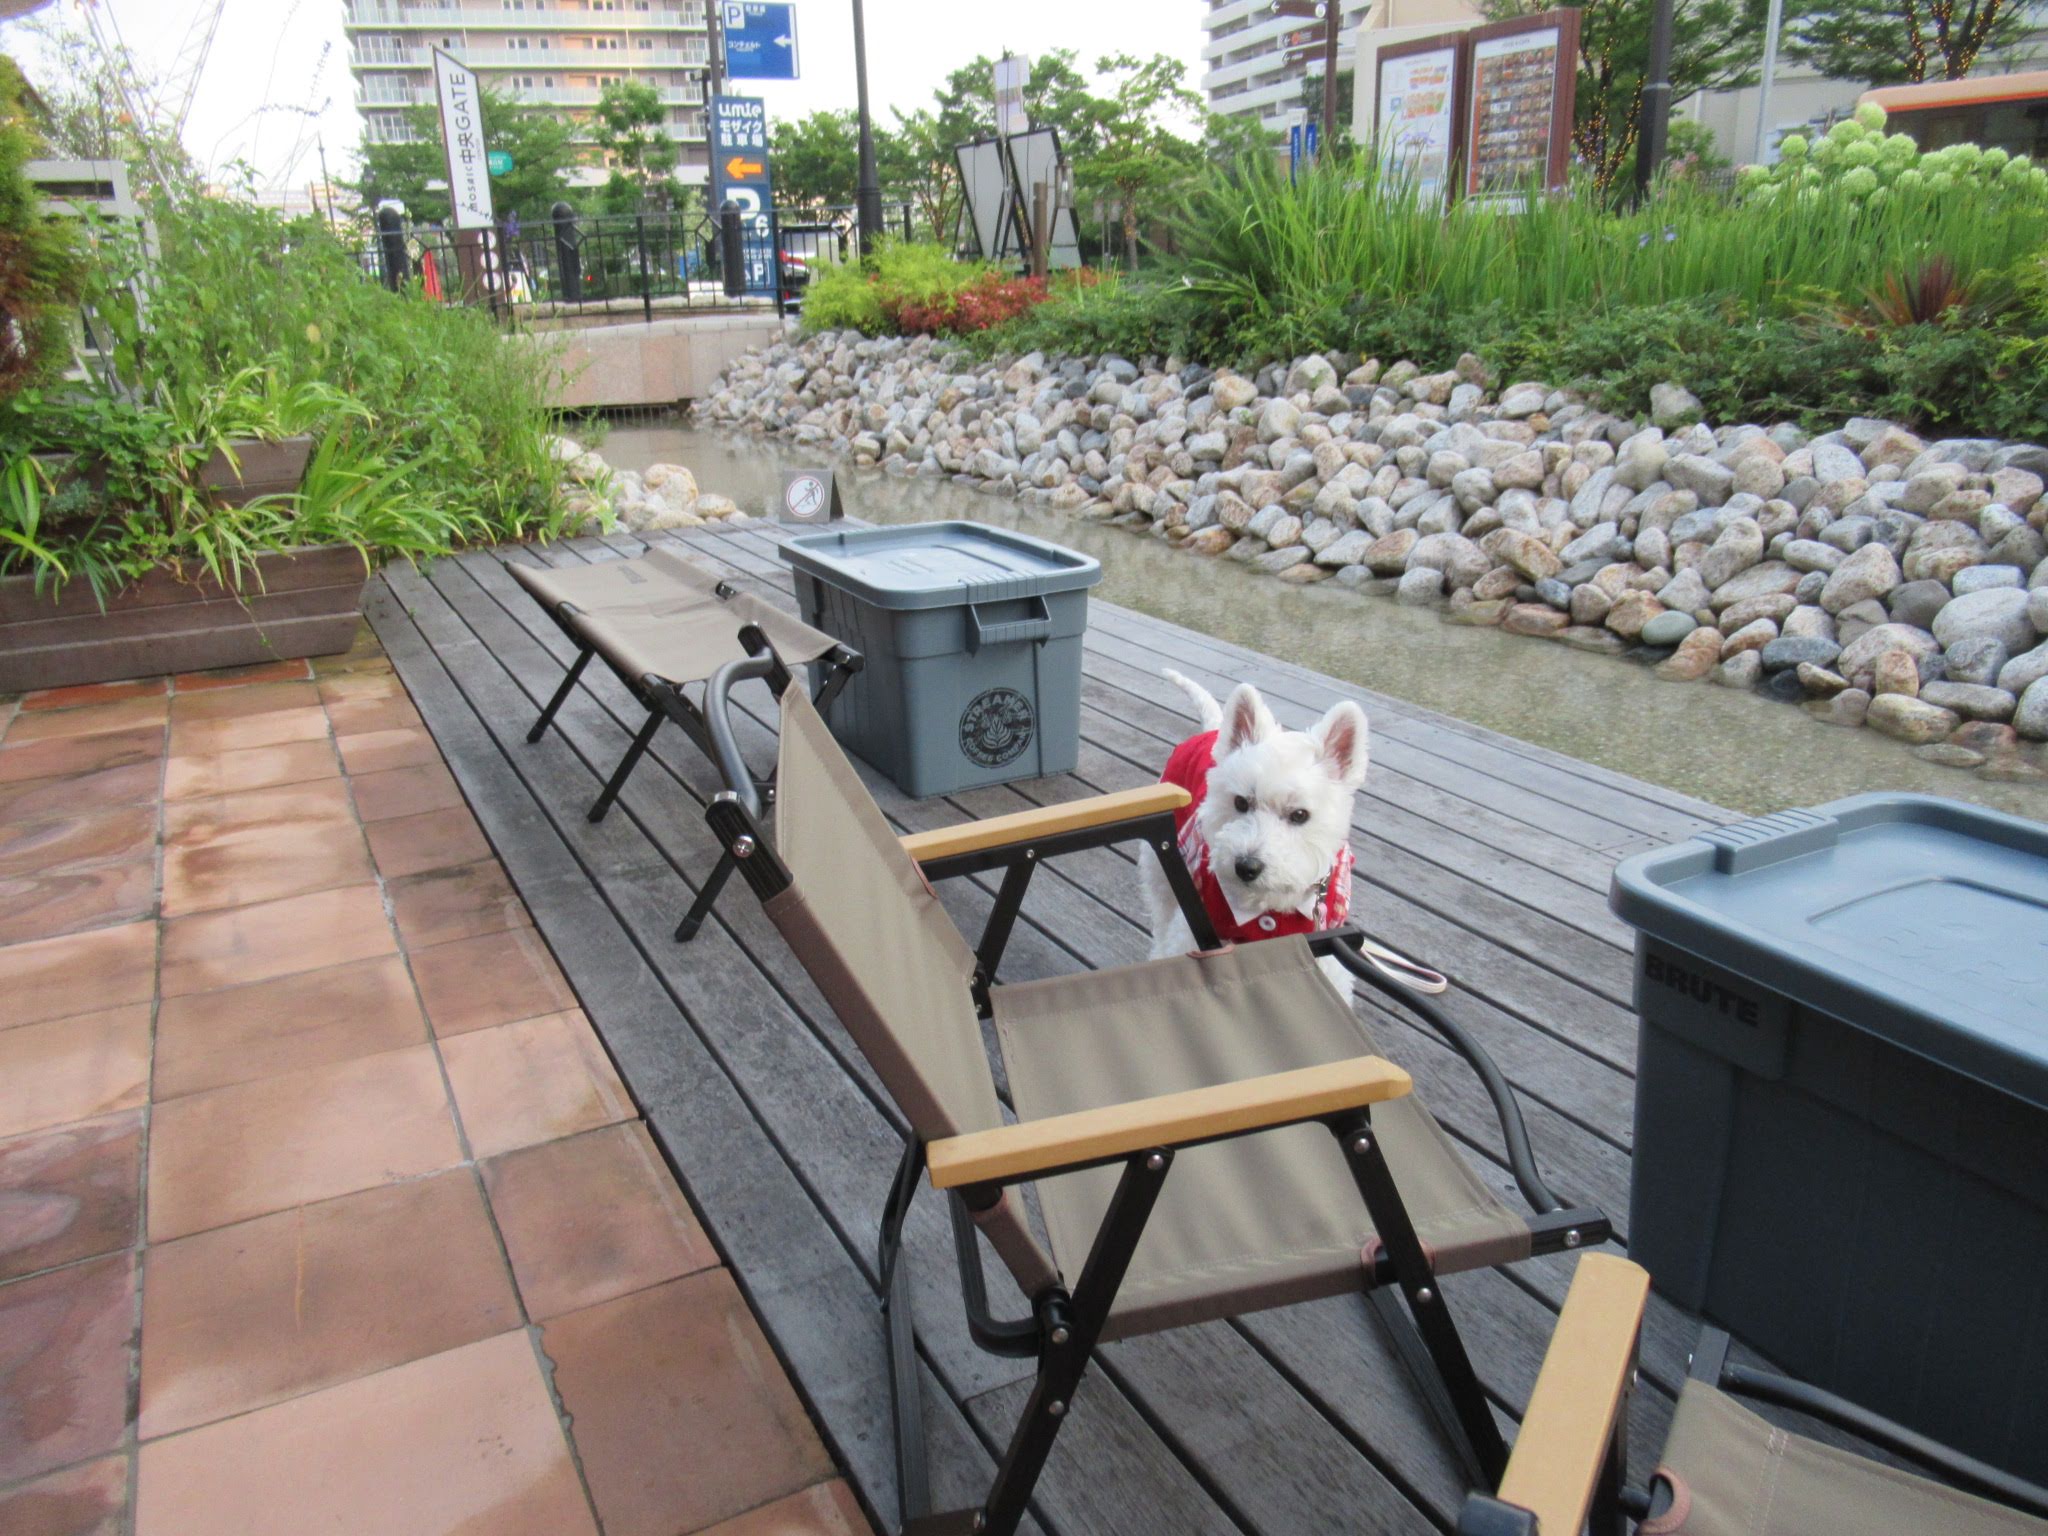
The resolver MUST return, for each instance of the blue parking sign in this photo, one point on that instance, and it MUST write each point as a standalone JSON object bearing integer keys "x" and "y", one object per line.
{"x": 760, "y": 39}
{"x": 740, "y": 174}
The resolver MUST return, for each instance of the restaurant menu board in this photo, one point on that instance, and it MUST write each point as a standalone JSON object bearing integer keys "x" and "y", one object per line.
{"x": 1510, "y": 132}
{"x": 1418, "y": 118}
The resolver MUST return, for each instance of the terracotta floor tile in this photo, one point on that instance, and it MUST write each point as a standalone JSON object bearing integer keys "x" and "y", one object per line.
{"x": 66, "y": 1351}
{"x": 411, "y": 845}
{"x": 361, "y": 685}
{"x": 264, "y": 1310}
{"x": 94, "y": 693}
{"x": 125, "y": 832}
{"x": 381, "y": 751}
{"x": 459, "y": 903}
{"x": 134, "y": 783}
{"x": 283, "y": 805}
{"x": 80, "y": 754}
{"x": 495, "y": 979}
{"x": 252, "y": 1148}
{"x": 237, "y": 677}
{"x": 69, "y": 1193}
{"x": 294, "y": 762}
{"x": 823, "y": 1509}
{"x": 278, "y": 938}
{"x": 591, "y": 1218}
{"x": 464, "y": 1443}
{"x": 87, "y": 1500}
{"x": 200, "y": 738}
{"x": 402, "y": 791}
{"x": 210, "y": 1039}
{"x": 73, "y": 1069}
{"x": 95, "y": 720}
{"x": 236, "y": 703}
{"x": 70, "y": 900}
{"x": 533, "y": 1081}
{"x": 356, "y": 717}
{"x": 358, "y": 661}
{"x": 80, "y": 973}
{"x": 261, "y": 845}
{"x": 681, "y": 1413}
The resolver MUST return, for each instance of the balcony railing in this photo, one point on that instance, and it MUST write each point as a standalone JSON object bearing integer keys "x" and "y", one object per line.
{"x": 607, "y": 59}
{"x": 540, "y": 96}
{"x": 397, "y": 13}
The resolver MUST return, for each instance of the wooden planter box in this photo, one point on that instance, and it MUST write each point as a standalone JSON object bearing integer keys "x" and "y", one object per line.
{"x": 307, "y": 603}
{"x": 267, "y": 469}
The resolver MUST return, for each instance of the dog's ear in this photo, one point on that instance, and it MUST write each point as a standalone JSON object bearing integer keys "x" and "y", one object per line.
{"x": 1340, "y": 738}
{"x": 1246, "y": 720}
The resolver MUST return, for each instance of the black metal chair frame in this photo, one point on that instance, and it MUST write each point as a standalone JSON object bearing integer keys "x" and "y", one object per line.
{"x": 666, "y": 700}
{"x": 1065, "y": 1324}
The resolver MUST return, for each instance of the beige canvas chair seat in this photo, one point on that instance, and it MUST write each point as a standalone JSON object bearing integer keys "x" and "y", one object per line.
{"x": 1255, "y": 1222}
{"x": 1733, "y": 1473}
{"x": 663, "y": 616}
{"x": 1724, "y": 1469}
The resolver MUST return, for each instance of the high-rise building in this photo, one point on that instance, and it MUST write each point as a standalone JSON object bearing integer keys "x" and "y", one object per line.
{"x": 551, "y": 53}
{"x": 1248, "y": 73}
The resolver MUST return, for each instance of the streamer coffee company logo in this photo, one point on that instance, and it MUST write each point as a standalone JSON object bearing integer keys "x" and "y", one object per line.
{"x": 996, "y": 728}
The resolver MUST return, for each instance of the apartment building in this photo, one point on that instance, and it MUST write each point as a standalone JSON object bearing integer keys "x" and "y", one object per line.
{"x": 553, "y": 53}
{"x": 1248, "y": 74}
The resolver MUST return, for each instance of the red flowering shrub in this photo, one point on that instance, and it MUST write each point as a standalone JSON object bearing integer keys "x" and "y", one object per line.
{"x": 990, "y": 300}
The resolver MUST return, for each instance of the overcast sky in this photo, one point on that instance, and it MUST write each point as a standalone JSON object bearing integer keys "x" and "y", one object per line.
{"x": 276, "y": 79}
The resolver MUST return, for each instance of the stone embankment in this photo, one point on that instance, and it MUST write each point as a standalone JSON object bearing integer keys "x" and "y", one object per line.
{"x": 1876, "y": 578}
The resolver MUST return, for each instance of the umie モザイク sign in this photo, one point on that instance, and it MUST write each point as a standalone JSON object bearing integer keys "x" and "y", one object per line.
{"x": 739, "y": 174}
{"x": 462, "y": 136}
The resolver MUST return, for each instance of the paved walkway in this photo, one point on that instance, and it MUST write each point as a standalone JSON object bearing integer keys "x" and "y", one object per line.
{"x": 321, "y": 1205}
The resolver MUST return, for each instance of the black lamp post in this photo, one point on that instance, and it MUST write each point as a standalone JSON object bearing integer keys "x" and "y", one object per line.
{"x": 1651, "y": 139}
{"x": 867, "y": 194}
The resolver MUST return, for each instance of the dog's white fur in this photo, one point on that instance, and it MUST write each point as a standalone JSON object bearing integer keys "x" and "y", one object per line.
{"x": 1278, "y": 774}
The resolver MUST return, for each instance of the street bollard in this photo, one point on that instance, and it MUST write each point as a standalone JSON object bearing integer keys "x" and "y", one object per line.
{"x": 732, "y": 249}
{"x": 391, "y": 242}
{"x": 568, "y": 254}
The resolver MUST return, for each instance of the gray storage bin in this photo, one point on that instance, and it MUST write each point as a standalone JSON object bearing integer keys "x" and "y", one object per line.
{"x": 1841, "y": 1132}
{"x": 972, "y": 640}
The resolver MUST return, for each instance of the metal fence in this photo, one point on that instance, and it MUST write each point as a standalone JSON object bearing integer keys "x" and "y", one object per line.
{"x": 652, "y": 263}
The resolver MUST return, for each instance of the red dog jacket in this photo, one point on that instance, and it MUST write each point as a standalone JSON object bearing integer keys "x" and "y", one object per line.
{"x": 1327, "y": 905}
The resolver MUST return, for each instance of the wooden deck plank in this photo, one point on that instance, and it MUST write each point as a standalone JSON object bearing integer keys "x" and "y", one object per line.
{"x": 1288, "y": 1420}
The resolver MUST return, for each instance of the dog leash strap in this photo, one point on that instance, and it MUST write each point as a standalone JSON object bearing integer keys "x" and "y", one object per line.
{"x": 1418, "y": 978}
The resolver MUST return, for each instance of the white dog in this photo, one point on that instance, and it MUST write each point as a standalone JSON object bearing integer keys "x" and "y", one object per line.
{"x": 1267, "y": 836}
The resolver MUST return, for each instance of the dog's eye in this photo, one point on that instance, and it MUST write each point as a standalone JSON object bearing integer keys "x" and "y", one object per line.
{"x": 1242, "y": 804}
{"x": 1298, "y": 817}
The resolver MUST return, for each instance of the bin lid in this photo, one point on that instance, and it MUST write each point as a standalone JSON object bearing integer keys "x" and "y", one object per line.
{"x": 1921, "y": 920}
{"x": 936, "y": 565}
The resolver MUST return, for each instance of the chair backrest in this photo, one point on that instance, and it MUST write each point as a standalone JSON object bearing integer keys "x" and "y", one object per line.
{"x": 867, "y": 927}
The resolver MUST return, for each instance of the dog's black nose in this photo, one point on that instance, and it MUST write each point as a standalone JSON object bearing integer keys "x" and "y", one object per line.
{"x": 1249, "y": 870}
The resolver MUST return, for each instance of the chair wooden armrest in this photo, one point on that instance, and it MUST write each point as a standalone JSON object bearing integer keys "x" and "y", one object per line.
{"x": 1046, "y": 821}
{"x": 1085, "y": 1138}
{"x": 1579, "y": 1393}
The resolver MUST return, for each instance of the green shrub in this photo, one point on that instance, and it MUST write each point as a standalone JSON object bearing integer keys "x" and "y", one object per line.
{"x": 871, "y": 295}
{"x": 38, "y": 262}
{"x": 434, "y": 426}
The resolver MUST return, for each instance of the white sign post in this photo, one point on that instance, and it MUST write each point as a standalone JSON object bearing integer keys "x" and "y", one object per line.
{"x": 1012, "y": 70}
{"x": 462, "y": 136}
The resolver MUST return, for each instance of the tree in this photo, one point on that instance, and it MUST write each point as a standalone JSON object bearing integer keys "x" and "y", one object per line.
{"x": 916, "y": 160}
{"x": 1715, "y": 45}
{"x": 1894, "y": 42}
{"x": 643, "y": 159}
{"x": 817, "y": 159}
{"x": 416, "y": 173}
{"x": 1134, "y": 159}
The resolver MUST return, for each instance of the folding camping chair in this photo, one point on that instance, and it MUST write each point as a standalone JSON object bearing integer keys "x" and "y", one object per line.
{"x": 1243, "y": 1062}
{"x": 1724, "y": 1471}
{"x": 662, "y": 623}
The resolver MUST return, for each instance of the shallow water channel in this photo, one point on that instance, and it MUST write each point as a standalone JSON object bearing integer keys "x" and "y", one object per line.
{"x": 1736, "y": 749}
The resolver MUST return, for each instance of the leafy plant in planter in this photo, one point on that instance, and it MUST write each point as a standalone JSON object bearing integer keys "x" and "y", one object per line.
{"x": 38, "y": 266}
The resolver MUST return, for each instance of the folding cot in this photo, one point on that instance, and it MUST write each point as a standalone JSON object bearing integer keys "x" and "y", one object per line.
{"x": 663, "y": 624}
